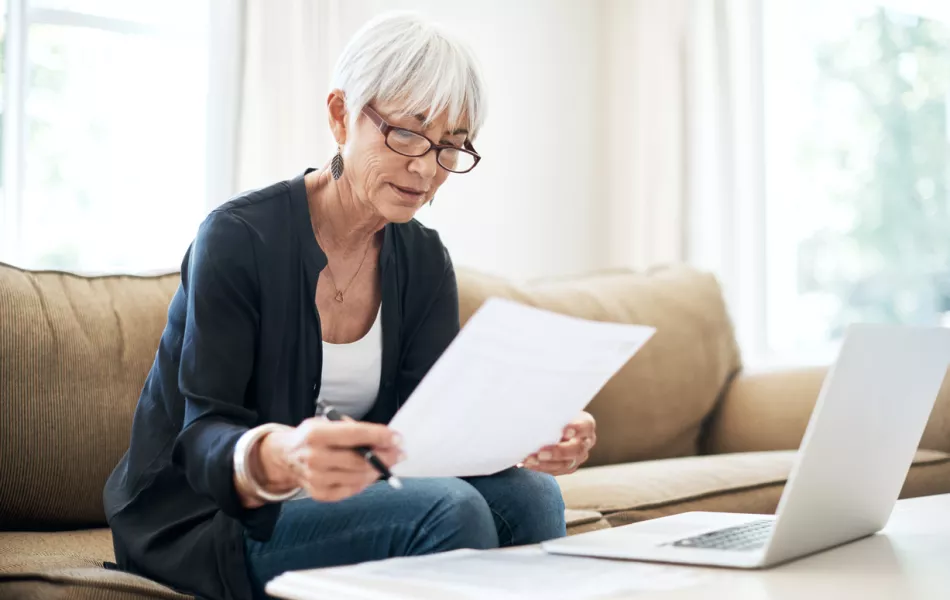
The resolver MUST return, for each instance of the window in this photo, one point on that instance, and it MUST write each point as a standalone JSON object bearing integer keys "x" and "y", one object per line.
{"x": 857, "y": 129}
{"x": 103, "y": 132}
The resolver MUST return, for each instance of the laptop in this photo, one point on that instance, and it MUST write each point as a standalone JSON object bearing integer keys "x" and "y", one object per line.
{"x": 853, "y": 459}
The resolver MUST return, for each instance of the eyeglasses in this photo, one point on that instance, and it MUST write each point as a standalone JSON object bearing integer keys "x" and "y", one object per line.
{"x": 409, "y": 143}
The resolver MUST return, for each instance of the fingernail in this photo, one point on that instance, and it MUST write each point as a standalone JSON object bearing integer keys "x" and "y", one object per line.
{"x": 570, "y": 433}
{"x": 531, "y": 462}
{"x": 545, "y": 455}
{"x": 397, "y": 439}
{"x": 401, "y": 457}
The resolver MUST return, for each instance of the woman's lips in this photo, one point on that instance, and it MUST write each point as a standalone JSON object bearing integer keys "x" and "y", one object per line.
{"x": 410, "y": 194}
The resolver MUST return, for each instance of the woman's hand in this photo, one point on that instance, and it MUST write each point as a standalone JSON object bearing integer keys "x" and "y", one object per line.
{"x": 573, "y": 450}
{"x": 318, "y": 456}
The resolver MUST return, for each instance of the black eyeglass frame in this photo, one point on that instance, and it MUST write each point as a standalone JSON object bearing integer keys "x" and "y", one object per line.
{"x": 385, "y": 128}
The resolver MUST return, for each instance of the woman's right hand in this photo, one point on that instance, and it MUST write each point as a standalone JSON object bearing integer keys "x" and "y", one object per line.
{"x": 318, "y": 456}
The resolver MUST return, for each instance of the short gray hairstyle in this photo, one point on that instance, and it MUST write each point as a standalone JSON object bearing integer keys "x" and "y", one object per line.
{"x": 401, "y": 57}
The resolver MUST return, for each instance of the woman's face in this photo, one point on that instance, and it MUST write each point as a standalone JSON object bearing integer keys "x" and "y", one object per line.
{"x": 396, "y": 185}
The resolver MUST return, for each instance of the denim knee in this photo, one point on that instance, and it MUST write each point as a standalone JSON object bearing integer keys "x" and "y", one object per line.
{"x": 460, "y": 518}
{"x": 540, "y": 506}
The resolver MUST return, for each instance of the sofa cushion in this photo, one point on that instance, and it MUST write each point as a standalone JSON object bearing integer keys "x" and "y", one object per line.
{"x": 580, "y": 521}
{"x": 84, "y": 584}
{"x": 74, "y": 352}
{"x": 68, "y": 565}
{"x": 780, "y": 403}
{"x": 749, "y": 482}
{"x": 656, "y": 404}
{"x": 24, "y": 553}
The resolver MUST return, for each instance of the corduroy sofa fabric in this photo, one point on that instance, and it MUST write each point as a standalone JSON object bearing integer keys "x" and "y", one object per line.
{"x": 68, "y": 565}
{"x": 781, "y": 421}
{"x": 74, "y": 352}
{"x": 747, "y": 482}
{"x": 84, "y": 584}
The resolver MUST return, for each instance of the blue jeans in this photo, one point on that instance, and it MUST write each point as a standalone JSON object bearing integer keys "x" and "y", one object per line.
{"x": 510, "y": 508}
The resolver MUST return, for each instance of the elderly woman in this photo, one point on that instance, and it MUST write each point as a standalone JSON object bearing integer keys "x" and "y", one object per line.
{"x": 322, "y": 287}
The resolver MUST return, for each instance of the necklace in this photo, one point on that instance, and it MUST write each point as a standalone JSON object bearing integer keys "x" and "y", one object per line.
{"x": 339, "y": 296}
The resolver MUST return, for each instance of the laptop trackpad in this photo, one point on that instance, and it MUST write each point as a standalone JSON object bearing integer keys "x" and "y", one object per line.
{"x": 681, "y": 526}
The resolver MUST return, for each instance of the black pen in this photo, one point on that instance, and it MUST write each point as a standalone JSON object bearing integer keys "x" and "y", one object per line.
{"x": 366, "y": 452}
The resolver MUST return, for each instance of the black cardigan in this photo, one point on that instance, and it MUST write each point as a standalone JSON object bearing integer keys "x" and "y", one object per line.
{"x": 242, "y": 347}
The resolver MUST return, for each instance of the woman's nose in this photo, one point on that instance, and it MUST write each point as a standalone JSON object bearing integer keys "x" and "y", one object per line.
{"x": 426, "y": 165}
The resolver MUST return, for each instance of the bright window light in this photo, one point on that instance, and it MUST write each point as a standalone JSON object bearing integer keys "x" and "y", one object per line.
{"x": 104, "y": 127}
{"x": 858, "y": 169}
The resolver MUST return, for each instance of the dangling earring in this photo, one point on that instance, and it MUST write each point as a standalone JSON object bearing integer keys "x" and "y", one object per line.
{"x": 336, "y": 165}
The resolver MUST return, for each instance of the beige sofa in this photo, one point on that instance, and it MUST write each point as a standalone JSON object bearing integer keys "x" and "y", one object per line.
{"x": 681, "y": 427}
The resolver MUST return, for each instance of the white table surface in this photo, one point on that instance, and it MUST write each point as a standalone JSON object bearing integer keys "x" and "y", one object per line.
{"x": 908, "y": 560}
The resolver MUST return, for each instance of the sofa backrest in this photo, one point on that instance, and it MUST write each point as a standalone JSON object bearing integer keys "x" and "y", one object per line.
{"x": 74, "y": 352}
{"x": 770, "y": 410}
{"x": 656, "y": 405}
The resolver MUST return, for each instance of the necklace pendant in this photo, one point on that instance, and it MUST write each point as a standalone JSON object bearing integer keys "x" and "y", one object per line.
{"x": 338, "y": 297}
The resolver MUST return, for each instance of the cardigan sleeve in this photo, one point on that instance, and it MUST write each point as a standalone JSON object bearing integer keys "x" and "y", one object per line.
{"x": 217, "y": 360}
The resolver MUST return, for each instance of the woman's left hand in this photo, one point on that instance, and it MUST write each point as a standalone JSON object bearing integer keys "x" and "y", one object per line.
{"x": 571, "y": 452}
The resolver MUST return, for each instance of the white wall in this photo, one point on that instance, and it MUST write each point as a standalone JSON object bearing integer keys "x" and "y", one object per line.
{"x": 536, "y": 205}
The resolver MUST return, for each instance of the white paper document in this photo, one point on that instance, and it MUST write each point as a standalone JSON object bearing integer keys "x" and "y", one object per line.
{"x": 507, "y": 385}
{"x": 523, "y": 573}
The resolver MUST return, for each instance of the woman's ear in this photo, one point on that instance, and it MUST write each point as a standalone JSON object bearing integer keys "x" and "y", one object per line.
{"x": 336, "y": 113}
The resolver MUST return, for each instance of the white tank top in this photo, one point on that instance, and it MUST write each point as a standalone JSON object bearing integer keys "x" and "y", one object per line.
{"x": 351, "y": 372}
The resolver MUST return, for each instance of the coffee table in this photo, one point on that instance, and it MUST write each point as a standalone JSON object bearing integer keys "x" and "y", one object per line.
{"x": 908, "y": 560}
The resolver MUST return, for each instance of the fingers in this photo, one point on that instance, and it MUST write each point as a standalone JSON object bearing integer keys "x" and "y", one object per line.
{"x": 555, "y": 467}
{"x": 330, "y": 474}
{"x": 345, "y": 478}
{"x": 389, "y": 456}
{"x": 581, "y": 431}
{"x": 587, "y": 442}
{"x": 340, "y": 465}
{"x": 349, "y": 434}
{"x": 324, "y": 463}
{"x": 584, "y": 427}
{"x": 565, "y": 451}
{"x": 326, "y": 459}
{"x": 560, "y": 459}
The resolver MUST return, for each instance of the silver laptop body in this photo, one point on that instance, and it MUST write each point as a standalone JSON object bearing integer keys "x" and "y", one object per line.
{"x": 852, "y": 462}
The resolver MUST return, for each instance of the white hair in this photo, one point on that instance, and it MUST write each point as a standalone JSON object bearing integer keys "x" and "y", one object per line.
{"x": 400, "y": 57}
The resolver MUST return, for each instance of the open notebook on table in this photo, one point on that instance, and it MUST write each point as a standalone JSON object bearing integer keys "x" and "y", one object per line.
{"x": 518, "y": 574}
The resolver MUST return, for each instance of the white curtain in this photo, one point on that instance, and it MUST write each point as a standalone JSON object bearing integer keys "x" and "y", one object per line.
{"x": 290, "y": 47}
{"x": 685, "y": 144}
{"x": 645, "y": 130}
{"x": 725, "y": 160}
{"x": 683, "y": 129}
{"x": 225, "y": 43}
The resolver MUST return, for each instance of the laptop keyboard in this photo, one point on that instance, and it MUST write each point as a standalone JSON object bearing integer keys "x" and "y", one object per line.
{"x": 748, "y": 536}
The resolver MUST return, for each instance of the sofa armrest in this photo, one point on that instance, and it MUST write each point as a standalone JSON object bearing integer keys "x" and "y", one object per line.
{"x": 764, "y": 411}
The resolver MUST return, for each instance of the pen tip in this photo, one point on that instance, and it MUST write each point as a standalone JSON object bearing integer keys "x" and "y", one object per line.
{"x": 395, "y": 483}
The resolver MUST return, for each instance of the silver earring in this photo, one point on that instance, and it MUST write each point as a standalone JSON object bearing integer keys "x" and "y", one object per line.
{"x": 336, "y": 165}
